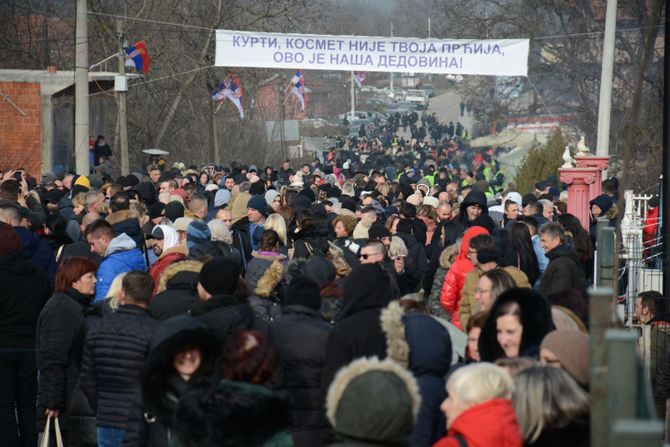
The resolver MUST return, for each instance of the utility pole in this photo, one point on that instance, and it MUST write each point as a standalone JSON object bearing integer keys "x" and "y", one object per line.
{"x": 214, "y": 137}
{"x": 605, "y": 104}
{"x": 121, "y": 99}
{"x": 81, "y": 126}
{"x": 665, "y": 210}
{"x": 353, "y": 98}
{"x": 430, "y": 75}
{"x": 282, "y": 136}
{"x": 392, "y": 90}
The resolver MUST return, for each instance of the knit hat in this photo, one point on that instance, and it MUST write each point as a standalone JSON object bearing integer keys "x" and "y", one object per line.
{"x": 432, "y": 201}
{"x": 378, "y": 231}
{"x": 270, "y": 196}
{"x": 174, "y": 210}
{"x": 82, "y": 180}
{"x": 182, "y": 223}
{"x": 259, "y": 204}
{"x": 485, "y": 256}
{"x": 156, "y": 209}
{"x": 303, "y": 291}
{"x": 221, "y": 198}
{"x": 197, "y": 233}
{"x": 571, "y": 348}
{"x": 220, "y": 276}
{"x": 9, "y": 240}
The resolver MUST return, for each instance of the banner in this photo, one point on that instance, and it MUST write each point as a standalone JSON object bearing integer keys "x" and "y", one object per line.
{"x": 495, "y": 57}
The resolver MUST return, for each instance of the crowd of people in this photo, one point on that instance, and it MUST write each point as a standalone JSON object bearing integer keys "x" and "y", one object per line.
{"x": 390, "y": 295}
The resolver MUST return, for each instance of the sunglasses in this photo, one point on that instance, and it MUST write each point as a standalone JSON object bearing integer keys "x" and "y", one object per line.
{"x": 366, "y": 256}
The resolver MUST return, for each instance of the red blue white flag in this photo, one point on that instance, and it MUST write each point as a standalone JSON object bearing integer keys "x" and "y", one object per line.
{"x": 359, "y": 78}
{"x": 231, "y": 88}
{"x": 299, "y": 89}
{"x": 137, "y": 56}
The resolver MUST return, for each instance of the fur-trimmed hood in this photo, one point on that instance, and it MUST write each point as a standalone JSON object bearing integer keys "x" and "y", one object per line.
{"x": 232, "y": 414}
{"x": 448, "y": 255}
{"x": 416, "y": 341}
{"x": 122, "y": 215}
{"x": 172, "y": 270}
{"x": 270, "y": 279}
{"x": 375, "y": 401}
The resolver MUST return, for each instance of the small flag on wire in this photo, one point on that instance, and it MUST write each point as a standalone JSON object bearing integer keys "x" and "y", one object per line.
{"x": 137, "y": 56}
{"x": 231, "y": 88}
{"x": 359, "y": 78}
{"x": 299, "y": 89}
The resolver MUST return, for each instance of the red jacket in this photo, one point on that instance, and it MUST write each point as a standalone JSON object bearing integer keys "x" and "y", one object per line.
{"x": 492, "y": 423}
{"x": 450, "y": 297}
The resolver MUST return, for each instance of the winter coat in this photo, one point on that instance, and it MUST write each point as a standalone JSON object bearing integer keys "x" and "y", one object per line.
{"x": 536, "y": 321}
{"x": 233, "y": 414}
{"x": 177, "y": 292}
{"x": 416, "y": 262}
{"x": 227, "y": 316}
{"x": 122, "y": 256}
{"x": 446, "y": 259}
{"x": 450, "y": 297}
{"x": 422, "y": 345}
{"x": 214, "y": 249}
{"x": 168, "y": 257}
{"x": 358, "y": 332}
{"x": 309, "y": 243}
{"x": 38, "y": 251}
{"x": 25, "y": 290}
{"x": 470, "y": 306}
{"x": 492, "y": 423}
{"x": 115, "y": 352}
{"x": 563, "y": 272}
{"x": 301, "y": 337}
{"x": 59, "y": 348}
{"x": 258, "y": 268}
{"x": 242, "y": 239}
{"x": 128, "y": 222}
{"x": 576, "y": 434}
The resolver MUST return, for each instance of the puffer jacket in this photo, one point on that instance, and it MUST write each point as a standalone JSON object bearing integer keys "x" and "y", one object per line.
{"x": 228, "y": 315}
{"x": 450, "y": 297}
{"x": 416, "y": 262}
{"x": 168, "y": 257}
{"x": 563, "y": 272}
{"x": 177, "y": 292}
{"x": 301, "y": 337}
{"x": 122, "y": 256}
{"x": 447, "y": 258}
{"x": 115, "y": 352}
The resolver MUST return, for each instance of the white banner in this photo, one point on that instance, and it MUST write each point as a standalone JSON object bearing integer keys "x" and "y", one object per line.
{"x": 496, "y": 57}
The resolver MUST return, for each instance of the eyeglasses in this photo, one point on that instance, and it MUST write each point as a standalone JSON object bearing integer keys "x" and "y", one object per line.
{"x": 367, "y": 255}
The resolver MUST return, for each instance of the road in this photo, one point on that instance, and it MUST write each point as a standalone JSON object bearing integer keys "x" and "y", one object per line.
{"x": 446, "y": 107}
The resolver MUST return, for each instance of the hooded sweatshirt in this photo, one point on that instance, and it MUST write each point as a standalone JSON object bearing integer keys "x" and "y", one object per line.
{"x": 121, "y": 256}
{"x": 172, "y": 252}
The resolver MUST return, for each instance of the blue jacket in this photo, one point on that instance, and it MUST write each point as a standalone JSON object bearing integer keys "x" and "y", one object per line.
{"x": 38, "y": 252}
{"x": 122, "y": 256}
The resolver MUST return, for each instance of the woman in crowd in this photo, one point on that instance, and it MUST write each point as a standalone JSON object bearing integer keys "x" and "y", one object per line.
{"x": 308, "y": 240}
{"x": 552, "y": 410}
{"x": 60, "y": 346}
{"x": 520, "y": 252}
{"x": 581, "y": 242}
{"x": 479, "y": 411}
{"x": 264, "y": 275}
{"x": 517, "y": 323}
{"x": 490, "y": 286}
{"x": 344, "y": 226}
{"x": 276, "y": 223}
{"x": 474, "y": 330}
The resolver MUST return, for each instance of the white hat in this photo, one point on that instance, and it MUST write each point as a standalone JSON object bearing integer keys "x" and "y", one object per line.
{"x": 181, "y": 224}
{"x": 432, "y": 201}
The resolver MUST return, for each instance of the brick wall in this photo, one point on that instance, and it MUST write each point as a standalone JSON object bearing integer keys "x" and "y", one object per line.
{"x": 20, "y": 144}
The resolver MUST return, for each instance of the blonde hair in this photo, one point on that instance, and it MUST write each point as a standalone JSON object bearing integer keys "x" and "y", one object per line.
{"x": 277, "y": 223}
{"x": 397, "y": 247}
{"x": 480, "y": 382}
{"x": 546, "y": 397}
{"x": 220, "y": 231}
{"x": 426, "y": 211}
{"x": 113, "y": 292}
{"x": 79, "y": 199}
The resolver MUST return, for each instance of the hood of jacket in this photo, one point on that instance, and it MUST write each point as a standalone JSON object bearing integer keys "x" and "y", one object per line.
{"x": 536, "y": 321}
{"x": 122, "y": 242}
{"x": 373, "y": 401}
{"x": 29, "y": 240}
{"x": 367, "y": 287}
{"x": 492, "y": 423}
{"x": 170, "y": 237}
{"x": 416, "y": 341}
{"x": 448, "y": 256}
{"x": 474, "y": 197}
{"x": 465, "y": 241}
{"x": 173, "y": 270}
{"x": 604, "y": 202}
{"x": 121, "y": 216}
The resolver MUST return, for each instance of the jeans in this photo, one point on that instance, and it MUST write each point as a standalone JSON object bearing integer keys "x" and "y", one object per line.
{"x": 110, "y": 437}
{"x": 18, "y": 394}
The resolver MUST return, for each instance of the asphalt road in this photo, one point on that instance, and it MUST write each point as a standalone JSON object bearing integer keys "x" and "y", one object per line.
{"x": 447, "y": 108}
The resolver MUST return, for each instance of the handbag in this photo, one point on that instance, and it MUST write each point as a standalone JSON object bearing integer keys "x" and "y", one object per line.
{"x": 47, "y": 433}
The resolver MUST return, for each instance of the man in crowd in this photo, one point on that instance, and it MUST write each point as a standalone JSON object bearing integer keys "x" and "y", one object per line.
{"x": 564, "y": 270}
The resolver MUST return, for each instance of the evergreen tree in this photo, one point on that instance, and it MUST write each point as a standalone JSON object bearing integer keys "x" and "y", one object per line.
{"x": 541, "y": 162}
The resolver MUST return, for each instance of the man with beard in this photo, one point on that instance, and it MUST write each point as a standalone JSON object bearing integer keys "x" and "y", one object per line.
{"x": 167, "y": 248}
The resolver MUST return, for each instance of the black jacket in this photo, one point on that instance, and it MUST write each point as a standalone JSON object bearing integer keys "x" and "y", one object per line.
{"x": 242, "y": 239}
{"x": 179, "y": 298}
{"x": 301, "y": 336}
{"x": 61, "y": 329}
{"x": 25, "y": 290}
{"x": 115, "y": 352}
{"x": 563, "y": 272}
{"x": 215, "y": 249}
{"x": 226, "y": 315}
{"x": 416, "y": 262}
{"x": 358, "y": 332}
{"x": 310, "y": 243}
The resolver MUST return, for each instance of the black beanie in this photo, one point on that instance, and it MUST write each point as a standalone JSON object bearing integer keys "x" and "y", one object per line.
{"x": 174, "y": 210}
{"x": 378, "y": 231}
{"x": 303, "y": 291}
{"x": 220, "y": 276}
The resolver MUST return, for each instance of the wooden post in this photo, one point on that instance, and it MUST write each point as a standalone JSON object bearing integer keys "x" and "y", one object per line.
{"x": 637, "y": 433}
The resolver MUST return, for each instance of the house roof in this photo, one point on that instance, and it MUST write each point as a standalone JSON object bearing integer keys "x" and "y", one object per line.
{"x": 52, "y": 83}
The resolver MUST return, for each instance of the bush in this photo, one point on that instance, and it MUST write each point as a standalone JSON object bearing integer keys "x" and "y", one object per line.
{"x": 540, "y": 163}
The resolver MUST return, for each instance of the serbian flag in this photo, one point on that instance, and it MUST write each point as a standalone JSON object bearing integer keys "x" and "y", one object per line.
{"x": 231, "y": 88}
{"x": 137, "y": 56}
{"x": 299, "y": 89}
{"x": 359, "y": 78}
